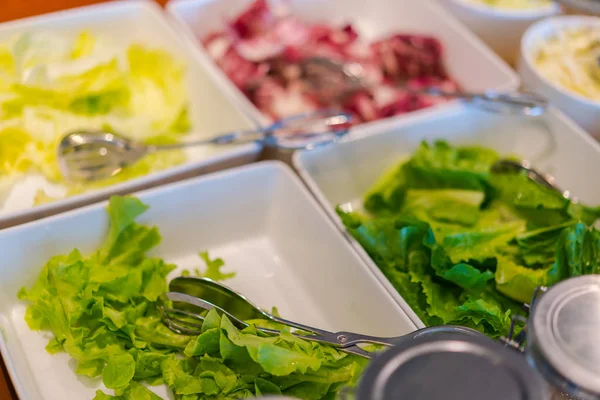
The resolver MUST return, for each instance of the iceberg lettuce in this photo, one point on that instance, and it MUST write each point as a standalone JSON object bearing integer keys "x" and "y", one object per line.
{"x": 52, "y": 84}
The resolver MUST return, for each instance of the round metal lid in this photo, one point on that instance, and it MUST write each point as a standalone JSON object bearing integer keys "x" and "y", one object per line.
{"x": 565, "y": 331}
{"x": 451, "y": 367}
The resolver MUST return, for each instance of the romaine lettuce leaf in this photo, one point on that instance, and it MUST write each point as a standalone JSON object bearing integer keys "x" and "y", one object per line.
{"x": 461, "y": 243}
{"x": 577, "y": 252}
{"x": 437, "y": 166}
{"x": 445, "y": 205}
{"x": 442, "y": 166}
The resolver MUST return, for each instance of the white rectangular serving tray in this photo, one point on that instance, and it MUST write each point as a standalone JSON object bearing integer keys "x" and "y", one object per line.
{"x": 260, "y": 219}
{"x": 342, "y": 174}
{"x": 469, "y": 61}
{"x": 211, "y": 110}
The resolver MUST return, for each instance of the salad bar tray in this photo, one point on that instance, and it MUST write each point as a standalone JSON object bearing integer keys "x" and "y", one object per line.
{"x": 30, "y": 187}
{"x": 295, "y": 261}
{"x": 341, "y": 176}
{"x": 338, "y": 29}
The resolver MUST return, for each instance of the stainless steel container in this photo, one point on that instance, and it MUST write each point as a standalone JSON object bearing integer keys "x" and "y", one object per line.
{"x": 563, "y": 337}
{"x": 562, "y": 356}
{"x": 451, "y": 366}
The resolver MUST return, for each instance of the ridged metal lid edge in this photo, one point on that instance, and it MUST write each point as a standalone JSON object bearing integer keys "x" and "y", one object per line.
{"x": 554, "y": 328}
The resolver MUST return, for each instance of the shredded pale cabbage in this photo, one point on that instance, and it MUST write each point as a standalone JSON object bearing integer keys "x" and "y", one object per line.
{"x": 514, "y": 4}
{"x": 571, "y": 59}
{"x": 52, "y": 84}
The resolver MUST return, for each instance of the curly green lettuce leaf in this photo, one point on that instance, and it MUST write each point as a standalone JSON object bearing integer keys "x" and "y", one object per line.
{"x": 134, "y": 391}
{"x": 479, "y": 309}
{"x": 102, "y": 310}
{"x": 119, "y": 370}
{"x": 213, "y": 268}
{"x": 226, "y": 362}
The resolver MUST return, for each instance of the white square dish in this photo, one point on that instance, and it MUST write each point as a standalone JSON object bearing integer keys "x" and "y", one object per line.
{"x": 210, "y": 110}
{"x": 469, "y": 61}
{"x": 342, "y": 174}
{"x": 260, "y": 219}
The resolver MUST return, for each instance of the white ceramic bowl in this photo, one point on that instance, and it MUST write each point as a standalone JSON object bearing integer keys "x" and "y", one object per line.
{"x": 501, "y": 29}
{"x": 585, "y": 111}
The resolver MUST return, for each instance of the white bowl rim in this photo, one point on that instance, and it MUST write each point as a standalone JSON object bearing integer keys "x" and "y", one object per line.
{"x": 509, "y": 13}
{"x": 532, "y": 33}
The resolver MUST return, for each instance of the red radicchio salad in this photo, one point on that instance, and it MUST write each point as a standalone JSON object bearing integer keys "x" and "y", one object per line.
{"x": 260, "y": 51}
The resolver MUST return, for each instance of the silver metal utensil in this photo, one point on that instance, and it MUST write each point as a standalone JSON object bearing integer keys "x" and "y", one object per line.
{"x": 335, "y": 80}
{"x": 545, "y": 180}
{"x": 186, "y": 317}
{"x": 93, "y": 155}
{"x": 205, "y": 294}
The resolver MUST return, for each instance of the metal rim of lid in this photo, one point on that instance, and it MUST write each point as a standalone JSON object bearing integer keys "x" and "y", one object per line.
{"x": 545, "y": 337}
{"x": 444, "y": 330}
{"x": 385, "y": 364}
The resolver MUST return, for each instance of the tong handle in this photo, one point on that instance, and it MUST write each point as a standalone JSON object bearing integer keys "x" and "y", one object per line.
{"x": 338, "y": 339}
{"x": 298, "y": 132}
{"x": 519, "y": 103}
{"x": 346, "y": 339}
{"x": 326, "y": 337}
{"x": 321, "y": 336}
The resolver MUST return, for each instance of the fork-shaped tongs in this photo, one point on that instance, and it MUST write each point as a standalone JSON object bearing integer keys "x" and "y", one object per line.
{"x": 192, "y": 297}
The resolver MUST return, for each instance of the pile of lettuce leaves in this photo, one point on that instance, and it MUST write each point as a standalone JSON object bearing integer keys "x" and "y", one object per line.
{"x": 55, "y": 83}
{"x": 102, "y": 310}
{"x": 467, "y": 244}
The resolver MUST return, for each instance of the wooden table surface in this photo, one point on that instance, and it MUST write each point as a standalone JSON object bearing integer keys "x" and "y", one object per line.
{"x": 14, "y": 9}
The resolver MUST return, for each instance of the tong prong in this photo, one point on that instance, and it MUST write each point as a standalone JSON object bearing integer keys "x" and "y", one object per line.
{"x": 170, "y": 317}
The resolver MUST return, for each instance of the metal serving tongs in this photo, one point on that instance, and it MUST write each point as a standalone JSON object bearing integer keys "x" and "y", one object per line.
{"x": 336, "y": 80}
{"x": 188, "y": 295}
{"x": 546, "y": 180}
{"x": 92, "y": 155}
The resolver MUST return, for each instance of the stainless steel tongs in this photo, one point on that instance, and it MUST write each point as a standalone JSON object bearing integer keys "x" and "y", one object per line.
{"x": 91, "y": 155}
{"x": 183, "y": 309}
